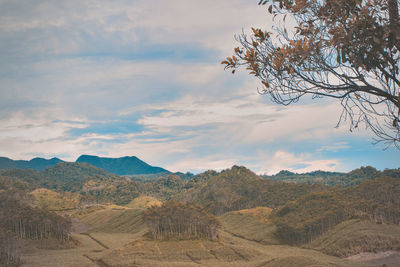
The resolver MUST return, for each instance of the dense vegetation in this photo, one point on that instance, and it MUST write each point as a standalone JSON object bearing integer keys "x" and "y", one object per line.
{"x": 174, "y": 220}
{"x": 94, "y": 184}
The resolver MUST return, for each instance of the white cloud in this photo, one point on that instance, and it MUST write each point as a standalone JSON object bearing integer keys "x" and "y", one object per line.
{"x": 283, "y": 160}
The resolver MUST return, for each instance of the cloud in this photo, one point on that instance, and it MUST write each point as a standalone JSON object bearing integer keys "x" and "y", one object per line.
{"x": 300, "y": 163}
{"x": 132, "y": 78}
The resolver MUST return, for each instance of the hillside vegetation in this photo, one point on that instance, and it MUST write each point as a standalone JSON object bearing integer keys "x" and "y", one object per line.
{"x": 173, "y": 220}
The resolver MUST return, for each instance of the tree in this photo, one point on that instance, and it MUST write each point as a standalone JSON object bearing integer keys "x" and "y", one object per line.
{"x": 343, "y": 49}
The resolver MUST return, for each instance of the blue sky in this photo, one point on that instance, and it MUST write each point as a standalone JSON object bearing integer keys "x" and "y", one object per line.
{"x": 117, "y": 78}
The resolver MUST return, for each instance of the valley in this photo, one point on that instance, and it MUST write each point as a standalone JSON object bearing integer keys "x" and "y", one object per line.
{"x": 76, "y": 214}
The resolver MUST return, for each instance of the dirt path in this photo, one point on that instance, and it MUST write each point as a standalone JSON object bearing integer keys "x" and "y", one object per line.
{"x": 95, "y": 240}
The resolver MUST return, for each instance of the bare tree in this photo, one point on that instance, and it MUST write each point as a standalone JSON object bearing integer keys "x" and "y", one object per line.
{"x": 343, "y": 49}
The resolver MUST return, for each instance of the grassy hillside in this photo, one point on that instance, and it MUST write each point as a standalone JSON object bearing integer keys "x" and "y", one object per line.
{"x": 251, "y": 224}
{"x": 228, "y": 251}
{"x": 143, "y": 202}
{"x": 355, "y": 236}
{"x": 115, "y": 220}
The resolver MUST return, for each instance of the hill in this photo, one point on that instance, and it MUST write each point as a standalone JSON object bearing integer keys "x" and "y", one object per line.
{"x": 121, "y": 166}
{"x": 94, "y": 184}
{"x": 35, "y": 164}
{"x": 355, "y": 236}
{"x": 239, "y": 188}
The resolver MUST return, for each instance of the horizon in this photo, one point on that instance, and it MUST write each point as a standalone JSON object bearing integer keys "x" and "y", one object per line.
{"x": 129, "y": 78}
{"x": 195, "y": 173}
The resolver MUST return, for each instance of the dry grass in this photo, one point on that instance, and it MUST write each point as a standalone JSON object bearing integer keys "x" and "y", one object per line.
{"x": 250, "y": 224}
{"x": 144, "y": 202}
{"x": 260, "y": 213}
{"x": 112, "y": 220}
{"x": 228, "y": 251}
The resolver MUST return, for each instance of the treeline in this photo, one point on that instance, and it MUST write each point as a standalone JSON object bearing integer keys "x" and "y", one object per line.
{"x": 9, "y": 249}
{"x": 175, "y": 220}
{"x": 20, "y": 219}
{"x": 306, "y": 218}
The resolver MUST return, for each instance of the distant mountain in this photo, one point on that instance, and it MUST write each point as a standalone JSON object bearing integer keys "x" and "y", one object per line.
{"x": 352, "y": 178}
{"x": 122, "y": 166}
{"x": 35, "y": 164}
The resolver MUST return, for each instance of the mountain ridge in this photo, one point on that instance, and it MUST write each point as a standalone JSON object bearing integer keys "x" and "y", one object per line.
{"x": 128, "y": 165}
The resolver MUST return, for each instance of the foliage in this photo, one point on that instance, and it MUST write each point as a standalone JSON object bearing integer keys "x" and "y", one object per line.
{"x": 343, "y": 49}
{"x": 9, "y": 249}
{"x": 94, "y": 184}
{"x": 20, "y": 219}
{"x": 174, "y": 220}
{"x": 164, "y": 188}
{"x": 303, "y": 220}
{"x": 53, "y": 201}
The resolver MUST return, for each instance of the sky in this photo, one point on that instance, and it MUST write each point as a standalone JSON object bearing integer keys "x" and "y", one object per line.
{"x": 143, "y": 78}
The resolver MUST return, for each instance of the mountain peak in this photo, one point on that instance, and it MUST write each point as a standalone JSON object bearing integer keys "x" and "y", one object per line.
{"x": 128, "y": 165}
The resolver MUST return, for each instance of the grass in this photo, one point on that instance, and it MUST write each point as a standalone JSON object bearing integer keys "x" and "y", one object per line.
{"x": 228, "y": 251}
{"x": 124, "y": 243}
{"x": 251, "y": 224}
{"x": 143, "y": 202}
{"x": 115, "y": 220}
{"x": 355, "y": 236}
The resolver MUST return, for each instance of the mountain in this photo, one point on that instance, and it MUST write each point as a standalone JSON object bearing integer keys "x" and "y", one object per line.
{"x": 121, "y": 166}
{"x": 352, "y": 178}
{"x": 35, "y": 164}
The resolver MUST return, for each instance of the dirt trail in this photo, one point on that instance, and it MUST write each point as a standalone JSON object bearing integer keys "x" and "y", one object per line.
{"x": 95, "y": 240}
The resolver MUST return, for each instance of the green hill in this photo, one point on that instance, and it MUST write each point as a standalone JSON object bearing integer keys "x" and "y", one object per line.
{"x": 121, "y": 166}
